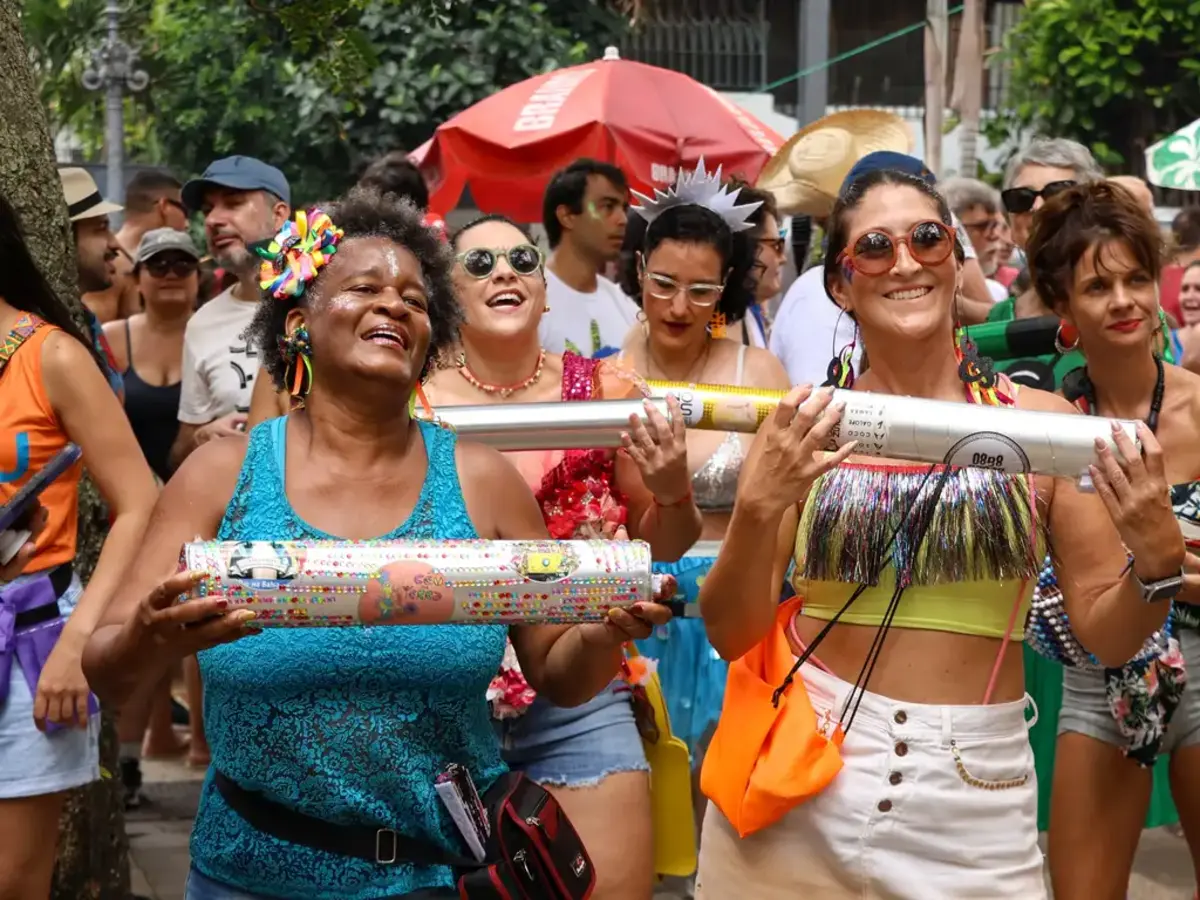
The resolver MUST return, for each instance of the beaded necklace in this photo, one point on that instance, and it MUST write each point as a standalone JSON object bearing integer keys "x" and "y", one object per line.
{"x": 502, "y": 391}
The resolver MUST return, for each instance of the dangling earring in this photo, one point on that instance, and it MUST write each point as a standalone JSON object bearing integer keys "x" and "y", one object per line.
{"x": 1162, "y": 330}
{"x": 840, "y": 373}
{"x": 977, "y": 372}
{"x": 296, "y": 349}
{"x": 1064, "y": 333}
{"x": 716, "y": 326}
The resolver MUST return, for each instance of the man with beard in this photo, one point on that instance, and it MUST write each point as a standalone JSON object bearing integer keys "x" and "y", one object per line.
{"x": 151, "y": 201}
{"x": 244, "y": 202}
{"x": 96, "y": 250}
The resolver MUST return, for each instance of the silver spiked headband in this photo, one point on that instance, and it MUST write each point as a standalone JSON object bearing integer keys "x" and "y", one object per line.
{"x": 699, "y": 188}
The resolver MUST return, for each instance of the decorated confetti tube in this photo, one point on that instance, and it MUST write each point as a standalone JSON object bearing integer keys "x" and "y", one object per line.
{"x": 933, "y": 431}
{"x": 330, "y": 583}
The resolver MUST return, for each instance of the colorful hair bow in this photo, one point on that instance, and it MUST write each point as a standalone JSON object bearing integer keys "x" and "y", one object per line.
{"x": 304, "y": 244}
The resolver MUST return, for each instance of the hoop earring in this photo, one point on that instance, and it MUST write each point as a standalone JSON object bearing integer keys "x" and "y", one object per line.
{"x": 1065, "y": 331}
{"x": 296, "y": 349}
{"x": 840, "y": 373}
{"x": 716, "y": 326}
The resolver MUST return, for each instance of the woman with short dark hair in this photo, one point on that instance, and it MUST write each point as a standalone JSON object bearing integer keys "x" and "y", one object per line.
{"x": 1095, "y": 257}
{"x": 343, "y": 726}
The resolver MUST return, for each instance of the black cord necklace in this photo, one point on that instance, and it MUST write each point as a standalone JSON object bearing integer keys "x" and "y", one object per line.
{"x": 1081, "y": 388}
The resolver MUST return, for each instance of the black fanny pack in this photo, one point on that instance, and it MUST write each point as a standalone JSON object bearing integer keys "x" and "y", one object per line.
{"x": 534, "y": 852}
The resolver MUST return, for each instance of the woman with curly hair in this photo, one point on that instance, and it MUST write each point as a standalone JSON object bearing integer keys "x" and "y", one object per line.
{"x": 342, "y": 731}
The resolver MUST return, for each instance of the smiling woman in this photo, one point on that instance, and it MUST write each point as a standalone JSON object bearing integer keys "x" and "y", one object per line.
{"x": 318, "y": 728}
{"x": 915, "y": 780}
{"x": 591, "y": 756}
{"x": 1096, "y": 255}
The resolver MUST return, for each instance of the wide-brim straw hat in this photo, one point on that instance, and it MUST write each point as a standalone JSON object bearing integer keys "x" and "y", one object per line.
{"x": 807, "y": 172}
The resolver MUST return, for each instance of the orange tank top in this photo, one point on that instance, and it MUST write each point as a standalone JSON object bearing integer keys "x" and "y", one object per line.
{"x": 30, "y": 436}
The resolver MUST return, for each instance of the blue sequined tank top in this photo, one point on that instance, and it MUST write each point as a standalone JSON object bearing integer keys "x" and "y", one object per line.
{"x": 349, "y": 725}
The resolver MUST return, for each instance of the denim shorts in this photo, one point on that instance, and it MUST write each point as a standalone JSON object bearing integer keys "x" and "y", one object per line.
{"x": 1085, "y": 708}
{"x": 32, "y": 762}
{"x": 201, "y": 887}
{"x": 577, "y": 747}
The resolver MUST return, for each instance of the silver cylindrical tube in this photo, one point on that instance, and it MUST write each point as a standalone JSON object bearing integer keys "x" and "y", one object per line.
{"x": 885, "y": 425}
{"x": 911, "y": 428}
{"x": 545, "y": 426}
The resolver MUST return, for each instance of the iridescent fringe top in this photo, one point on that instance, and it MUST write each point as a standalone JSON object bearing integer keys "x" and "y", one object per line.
{"x": 978, "y": 558}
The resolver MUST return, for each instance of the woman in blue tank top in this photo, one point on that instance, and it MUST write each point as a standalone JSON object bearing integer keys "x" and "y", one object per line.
{"x": 347, "y": 726}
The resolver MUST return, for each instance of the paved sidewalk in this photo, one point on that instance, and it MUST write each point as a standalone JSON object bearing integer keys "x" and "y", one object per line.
{"x": 158, "y": 835}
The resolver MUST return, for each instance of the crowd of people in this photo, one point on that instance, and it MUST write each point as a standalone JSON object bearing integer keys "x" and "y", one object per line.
{"x": 274, "y": 404}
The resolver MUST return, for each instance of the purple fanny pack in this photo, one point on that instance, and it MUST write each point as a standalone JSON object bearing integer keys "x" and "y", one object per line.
{"x": 30, "y": 625}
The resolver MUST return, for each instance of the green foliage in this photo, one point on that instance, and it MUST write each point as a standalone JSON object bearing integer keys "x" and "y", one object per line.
{"x": 1116, "y": 75}
{"x": 315, "y": 87}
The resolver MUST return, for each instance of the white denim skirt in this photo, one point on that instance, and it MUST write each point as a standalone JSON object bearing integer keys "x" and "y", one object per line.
{"x": 933, "y": 803}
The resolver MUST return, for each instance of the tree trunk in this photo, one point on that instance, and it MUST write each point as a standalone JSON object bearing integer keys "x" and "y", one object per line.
{"x": 93, "y": 859}
{"x": 936, "y": 41}
{"x": 968, "y": 85}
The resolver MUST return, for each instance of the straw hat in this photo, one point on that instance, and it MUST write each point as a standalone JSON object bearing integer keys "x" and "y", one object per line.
{"x": 806, "y": 173}
{"x": 82, "y": 195}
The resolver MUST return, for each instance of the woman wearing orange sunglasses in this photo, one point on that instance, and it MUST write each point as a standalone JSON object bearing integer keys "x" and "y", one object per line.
{"x": 911, "y": 582}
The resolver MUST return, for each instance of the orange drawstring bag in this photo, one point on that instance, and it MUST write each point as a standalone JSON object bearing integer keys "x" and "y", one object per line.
{"x": 764, "y": 759}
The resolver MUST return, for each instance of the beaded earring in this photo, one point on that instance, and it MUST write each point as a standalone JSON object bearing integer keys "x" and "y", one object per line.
{"x": 840, "y": 373}
{"x": 716, "y": 326}
{"x": 296, "y": 349}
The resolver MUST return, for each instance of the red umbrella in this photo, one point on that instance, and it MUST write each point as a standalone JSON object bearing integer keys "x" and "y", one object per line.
{"x": 648, "y": 121}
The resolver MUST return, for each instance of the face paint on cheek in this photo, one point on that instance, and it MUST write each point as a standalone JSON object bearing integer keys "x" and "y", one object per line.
{"x": 342, "y": 302}
{"x": 593, "y": 212}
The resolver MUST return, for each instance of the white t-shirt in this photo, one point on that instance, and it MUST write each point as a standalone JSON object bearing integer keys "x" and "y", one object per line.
{"x": 810, "y": 329}
{"x": 592, "y": 324}
{"x": 219, "y": 364}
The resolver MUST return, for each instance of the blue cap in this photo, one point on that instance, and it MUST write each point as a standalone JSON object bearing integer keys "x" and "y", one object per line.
{"x": 888, "y": 159}
{"x": 237, "y": 173}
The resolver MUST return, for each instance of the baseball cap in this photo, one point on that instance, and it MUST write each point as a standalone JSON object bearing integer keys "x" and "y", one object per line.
{"x": 160, "y": 240}
{"x": 238, "y": 173}
{"x": 888, "y": 159}
{"x": 83, "y": 197}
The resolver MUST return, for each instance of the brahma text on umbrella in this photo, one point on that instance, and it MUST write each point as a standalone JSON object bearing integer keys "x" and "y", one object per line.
{"x": 664, "y": 174}
{"x": 544, "y": 103}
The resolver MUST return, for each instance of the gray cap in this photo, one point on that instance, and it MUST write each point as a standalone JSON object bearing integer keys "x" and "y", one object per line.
{"x": 237, "y": 173}
{"x": 160, "y": 240}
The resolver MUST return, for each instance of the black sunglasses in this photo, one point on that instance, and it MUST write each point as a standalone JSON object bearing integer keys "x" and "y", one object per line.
{"x": 180, "y": 268}
{"x": 480, "y": 262}
{"x": 1021, "y": 199}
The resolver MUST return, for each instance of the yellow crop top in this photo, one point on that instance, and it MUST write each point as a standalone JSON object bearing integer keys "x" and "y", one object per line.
{"x": 973, "y": 573}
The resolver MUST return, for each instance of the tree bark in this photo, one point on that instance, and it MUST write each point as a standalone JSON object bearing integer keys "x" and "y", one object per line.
{"x": 93, "y": 858}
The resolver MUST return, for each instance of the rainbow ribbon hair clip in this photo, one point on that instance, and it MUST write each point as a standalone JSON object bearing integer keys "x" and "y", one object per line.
{"x": 304, "y": 244}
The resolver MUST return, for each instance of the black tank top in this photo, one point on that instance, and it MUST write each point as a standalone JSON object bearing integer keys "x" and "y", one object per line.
{"x": 153, "y": 412}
